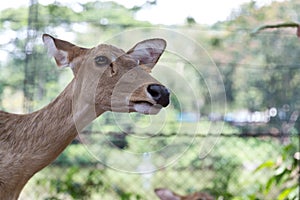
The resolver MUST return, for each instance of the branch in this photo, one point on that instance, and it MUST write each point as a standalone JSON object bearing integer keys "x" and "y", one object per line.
{"x": 281, "y": 25}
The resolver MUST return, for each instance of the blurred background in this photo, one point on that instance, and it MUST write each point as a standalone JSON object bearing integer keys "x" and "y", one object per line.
{"x": 232, "y": 129}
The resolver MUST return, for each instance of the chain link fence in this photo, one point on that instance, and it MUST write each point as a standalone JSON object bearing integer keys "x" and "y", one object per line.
{"x": 121, "y": 156}
{"x": 228, "y": 170}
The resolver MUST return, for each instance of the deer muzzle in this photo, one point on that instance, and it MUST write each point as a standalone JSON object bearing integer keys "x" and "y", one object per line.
{"x": 160, "y": 94}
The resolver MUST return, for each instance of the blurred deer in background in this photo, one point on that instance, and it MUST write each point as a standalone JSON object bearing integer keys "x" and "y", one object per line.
{"x": 166, "y": 194}
{"x": 106, "y": 78}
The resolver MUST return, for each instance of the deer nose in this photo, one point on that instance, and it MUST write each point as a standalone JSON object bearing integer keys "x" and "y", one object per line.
{"x": 160, "y": 94}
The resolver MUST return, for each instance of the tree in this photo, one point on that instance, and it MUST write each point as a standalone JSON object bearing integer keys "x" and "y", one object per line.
{"x": 107, "y": 18}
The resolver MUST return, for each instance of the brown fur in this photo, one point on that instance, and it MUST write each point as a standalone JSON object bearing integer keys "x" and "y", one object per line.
{"x": 32, "y": 141}
{"x": 166, "y": 194}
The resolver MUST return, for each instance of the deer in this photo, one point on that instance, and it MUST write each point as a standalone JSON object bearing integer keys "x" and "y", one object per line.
{"x": 167, "y": 194}
{"x": 106, "y": 78}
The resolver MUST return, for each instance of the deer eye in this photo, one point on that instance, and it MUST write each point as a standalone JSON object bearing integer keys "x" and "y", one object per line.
{"x": 102, "y": 61}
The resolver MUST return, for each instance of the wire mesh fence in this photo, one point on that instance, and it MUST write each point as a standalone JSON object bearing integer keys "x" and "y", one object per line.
{"x": 246, "y": 152}
{"x": 228, "y": 170}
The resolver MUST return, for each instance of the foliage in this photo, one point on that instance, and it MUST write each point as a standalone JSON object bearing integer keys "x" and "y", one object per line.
{"x": 82, "y": 183}
{"x": 272, "y": 73}
{"x": 94, "y": 15}
{"x": 223, "y": 176}
{"x": 75, "y": 155}
{"x": 263, "y": 75}
{"x": 223, "y": 173}
{"x": 56, "y": 14}
{"x": 259, "y": 71}
{"x": 285, "y": 175}
{"x": 127, "y": 195}
{"x": 73, "y": 184}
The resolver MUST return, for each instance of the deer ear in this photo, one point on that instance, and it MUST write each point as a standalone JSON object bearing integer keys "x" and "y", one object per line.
{"x": 59, "y": 49}
{"x": 166, "y": 194}
{"x": 148, "y": 52}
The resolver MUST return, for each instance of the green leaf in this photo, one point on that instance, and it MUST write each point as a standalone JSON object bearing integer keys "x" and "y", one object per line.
{"x": 281, "y": 176}
{"x": 285, "y": 193}
{"x": 269, "y": 184}
{"x": 267, "y": 164}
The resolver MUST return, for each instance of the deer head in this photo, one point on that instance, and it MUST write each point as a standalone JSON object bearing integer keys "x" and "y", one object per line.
{"x": 166, "y": 194}
{"x": 110, "y": 79}
{"x": 105, "y": 79}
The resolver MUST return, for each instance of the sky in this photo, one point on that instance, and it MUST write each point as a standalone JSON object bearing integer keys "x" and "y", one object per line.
{"x": 166, "y": 12}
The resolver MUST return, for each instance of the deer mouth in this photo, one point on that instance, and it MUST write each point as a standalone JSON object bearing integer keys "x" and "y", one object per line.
{"x": 146, "y": 107}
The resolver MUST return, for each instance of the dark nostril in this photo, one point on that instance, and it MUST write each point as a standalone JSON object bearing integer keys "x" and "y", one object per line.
{"x": 159, "y": 93}
{"x": 154, "y": 91}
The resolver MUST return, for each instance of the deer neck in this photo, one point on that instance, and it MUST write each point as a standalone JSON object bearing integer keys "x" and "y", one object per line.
{"x": 30, "y": 142}
{"x": 63, "y": 119}
{"x": 44, "y": 134}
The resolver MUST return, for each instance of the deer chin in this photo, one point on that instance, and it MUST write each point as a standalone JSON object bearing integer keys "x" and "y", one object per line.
{"x": 145, "y": 107}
